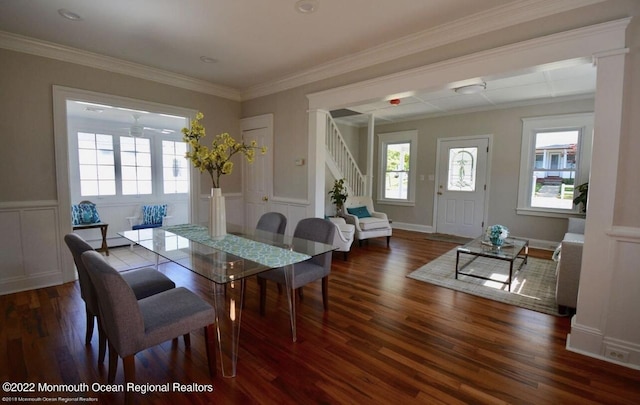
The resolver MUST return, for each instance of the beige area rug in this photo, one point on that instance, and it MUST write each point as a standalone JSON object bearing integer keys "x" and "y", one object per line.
{"x": 533, "y": 287}
{"x": 443, "y": 237}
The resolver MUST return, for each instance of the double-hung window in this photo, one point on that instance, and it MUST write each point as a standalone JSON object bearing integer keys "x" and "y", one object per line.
{"x": 397, "y": 167}
{"x": 555, "y": 159}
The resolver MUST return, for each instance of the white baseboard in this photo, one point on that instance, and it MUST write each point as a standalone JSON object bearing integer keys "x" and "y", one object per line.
{"x": 412, "y": 227}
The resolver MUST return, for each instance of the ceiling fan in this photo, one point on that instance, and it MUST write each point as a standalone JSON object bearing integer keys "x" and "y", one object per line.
{"x": 137, "y": 130}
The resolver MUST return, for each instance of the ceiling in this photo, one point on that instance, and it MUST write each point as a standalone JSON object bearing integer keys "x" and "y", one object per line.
{"x": 252, "y": 42}
{"x": 255, "y": 43}
{"x": 566, "y": 81}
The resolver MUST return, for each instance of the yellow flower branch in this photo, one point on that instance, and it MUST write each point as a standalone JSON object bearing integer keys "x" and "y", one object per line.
{"x": 217, "y": 159}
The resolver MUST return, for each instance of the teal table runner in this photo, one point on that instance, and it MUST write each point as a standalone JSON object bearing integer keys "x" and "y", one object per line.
{"x": 263, "y": 253}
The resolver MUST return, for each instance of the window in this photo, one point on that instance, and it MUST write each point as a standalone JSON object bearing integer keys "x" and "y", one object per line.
{"x": 96, "y": 164}
{"x": 397, "y": 167}
{"x": 135, "y": 162}
{"x": 111, "y": 165}
{"x": 556, "y": 157}
{"x": 174, "y": 167}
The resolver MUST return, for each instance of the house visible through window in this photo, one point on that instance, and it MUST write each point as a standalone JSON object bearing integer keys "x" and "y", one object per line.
{"x": 397, "y": 163}
{"x": 556, "y": 157}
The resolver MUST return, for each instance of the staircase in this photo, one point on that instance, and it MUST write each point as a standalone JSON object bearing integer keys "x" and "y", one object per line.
{"x": 340, "y": 161}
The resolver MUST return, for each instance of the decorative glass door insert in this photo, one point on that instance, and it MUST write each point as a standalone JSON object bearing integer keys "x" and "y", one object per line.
{"x": 462, "y": 169}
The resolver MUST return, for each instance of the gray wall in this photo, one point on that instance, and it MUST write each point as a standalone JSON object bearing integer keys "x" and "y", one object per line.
{"x": 26, "y": 117}
{"x": 506, "y": 127}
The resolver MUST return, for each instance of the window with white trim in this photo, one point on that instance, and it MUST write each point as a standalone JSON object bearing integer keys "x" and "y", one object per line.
{"x": 555, "y": 159}
{"x": 110, "y": 166}
{"x": 397, "y": 167}
{"x": 96, "y": 164}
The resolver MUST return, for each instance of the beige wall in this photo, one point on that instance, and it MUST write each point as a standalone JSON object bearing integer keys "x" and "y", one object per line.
{"x": 26, "y": 117}
{"x": 289, "y": 107}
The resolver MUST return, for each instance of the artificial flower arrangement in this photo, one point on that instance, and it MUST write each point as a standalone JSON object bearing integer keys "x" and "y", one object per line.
{"x": 497, "y": 234}
{"x": 217, "y": 159}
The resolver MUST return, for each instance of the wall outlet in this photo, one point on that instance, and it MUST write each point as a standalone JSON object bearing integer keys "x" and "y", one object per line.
{"x": 616, "y": 353}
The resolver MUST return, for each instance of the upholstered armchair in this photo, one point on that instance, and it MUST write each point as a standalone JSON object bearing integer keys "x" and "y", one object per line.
{"x": 368, "y": 223}
{"x": 150, "y": 216}
{"x": 344, "y": 235}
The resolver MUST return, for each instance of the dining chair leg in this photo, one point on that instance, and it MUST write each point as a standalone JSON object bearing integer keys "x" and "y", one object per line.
{"x": 129, "y": 364}
{"x": 102, "y": 345}
{"x": 187, "y": 339}
{"x": 263, "y": 294}
{"x": 210, "y": 344}
{"x": 325, "y": 292}
{"x": 90, "y": 322}
{"x": 113, "y": 364}
{"x": 300, "y": 293}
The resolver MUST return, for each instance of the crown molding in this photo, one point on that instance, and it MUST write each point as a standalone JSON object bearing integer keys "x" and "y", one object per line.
{"x": 480, "y": 23}
{"x": 582, "y": 41}
{"x": 63, "y": 53}
{"x": 514, "y": 13}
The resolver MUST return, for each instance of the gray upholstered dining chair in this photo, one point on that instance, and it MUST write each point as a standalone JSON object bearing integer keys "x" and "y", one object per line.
{"x": 318, "y": 267}
{"x": 274, "y": 225}
{"x": 133, "y": 325}
{"x": 273, "y": 222}
{"x": 144, "y": 282}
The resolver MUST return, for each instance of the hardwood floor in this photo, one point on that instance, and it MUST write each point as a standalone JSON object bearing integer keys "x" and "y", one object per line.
{"x": 385, "y": 339}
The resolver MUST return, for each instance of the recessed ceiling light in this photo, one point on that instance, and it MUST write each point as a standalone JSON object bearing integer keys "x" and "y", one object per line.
{"x": 471, "y": 89}
{"x": 69, "y": 15}
{"x": 306, "y": 6}
{"x": 207, "y": 59}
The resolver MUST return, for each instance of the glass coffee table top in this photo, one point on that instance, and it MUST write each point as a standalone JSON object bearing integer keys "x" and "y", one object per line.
{"x": 512, "y": 248}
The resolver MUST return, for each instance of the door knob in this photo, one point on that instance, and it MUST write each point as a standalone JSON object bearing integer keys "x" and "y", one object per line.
{"x": 439, "y": 192}
{"x": 265, "y": 198}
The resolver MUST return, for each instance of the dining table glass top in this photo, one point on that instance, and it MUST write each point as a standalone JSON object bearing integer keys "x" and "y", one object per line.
{"x": 238, "y": 254}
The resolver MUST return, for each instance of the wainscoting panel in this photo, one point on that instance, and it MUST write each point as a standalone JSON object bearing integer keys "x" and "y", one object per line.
{"x": 294, "y": 210}
{"x": 30, "y": 246}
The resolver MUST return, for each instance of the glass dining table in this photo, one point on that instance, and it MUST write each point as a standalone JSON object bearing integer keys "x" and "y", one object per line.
{"x": 227, "y": 261}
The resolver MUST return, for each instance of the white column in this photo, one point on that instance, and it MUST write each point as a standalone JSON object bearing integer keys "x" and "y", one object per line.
{"x": 315, "y": 171}
{"x": 589, "y": 325}
{"x": 370, "y": 139}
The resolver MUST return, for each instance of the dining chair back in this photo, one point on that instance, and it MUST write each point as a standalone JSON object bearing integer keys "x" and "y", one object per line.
{"x": 315, "y": 268}
{"x": 273, "y": 222}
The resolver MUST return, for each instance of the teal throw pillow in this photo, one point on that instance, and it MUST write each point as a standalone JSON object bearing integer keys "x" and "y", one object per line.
{"x": 360, "y": 212}
{"x": 84, "y": 213}
{"x": 153, "y": 214}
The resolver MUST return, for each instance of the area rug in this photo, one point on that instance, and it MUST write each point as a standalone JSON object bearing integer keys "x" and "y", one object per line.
{"x": 443, "y": 237}
{"x": 533, "y": 287}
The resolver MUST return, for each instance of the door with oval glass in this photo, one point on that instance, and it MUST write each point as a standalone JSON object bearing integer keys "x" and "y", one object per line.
{"x": 461, "y": 187}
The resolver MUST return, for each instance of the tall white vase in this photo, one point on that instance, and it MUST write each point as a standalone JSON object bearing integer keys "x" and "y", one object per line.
{"x": 217, "y": 214}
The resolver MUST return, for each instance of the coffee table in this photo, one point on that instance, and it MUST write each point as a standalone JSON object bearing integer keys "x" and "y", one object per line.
{"x": 513, "y": 248}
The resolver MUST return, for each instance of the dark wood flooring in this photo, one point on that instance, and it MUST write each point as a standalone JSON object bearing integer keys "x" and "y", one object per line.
{"x": 386, "y": 339}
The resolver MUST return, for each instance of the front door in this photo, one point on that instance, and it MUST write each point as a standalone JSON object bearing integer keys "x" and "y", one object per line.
{"x": 259, "y": 175}
{"x": 461, "y": 187}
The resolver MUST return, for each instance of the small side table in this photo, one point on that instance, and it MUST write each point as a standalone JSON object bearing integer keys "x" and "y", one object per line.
{"x": 103, "y": 229}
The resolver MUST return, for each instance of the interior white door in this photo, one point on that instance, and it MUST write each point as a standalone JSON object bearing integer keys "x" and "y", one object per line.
{"x": 259, "y": 179}
{"x": 461, "y": 188}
